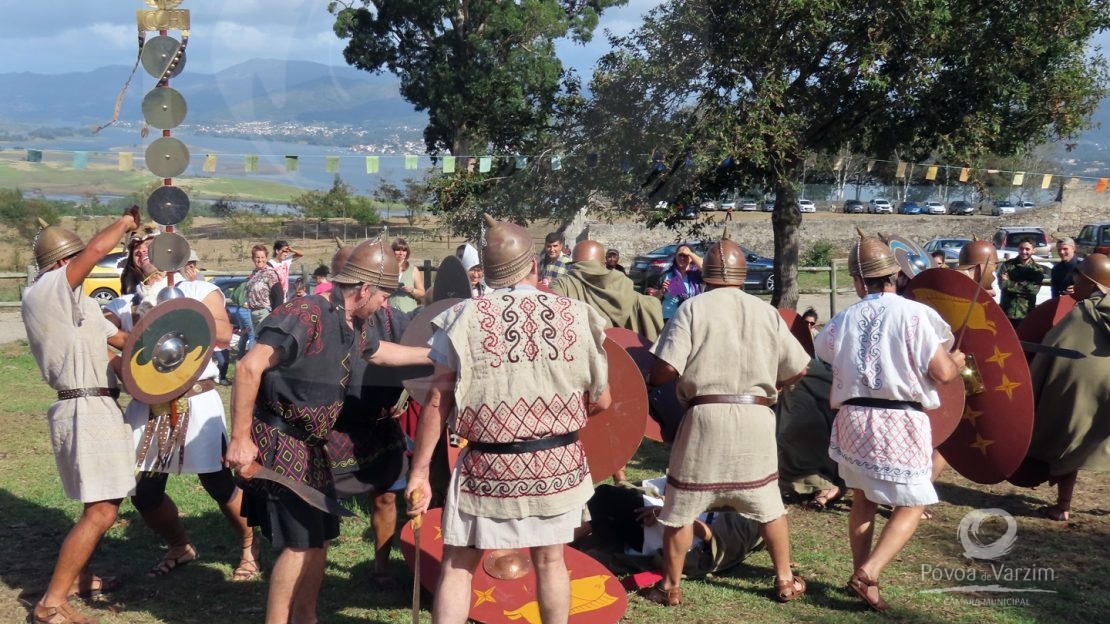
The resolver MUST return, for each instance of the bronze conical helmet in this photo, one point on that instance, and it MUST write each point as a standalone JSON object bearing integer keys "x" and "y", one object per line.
{"x": 977, "y": 253}
{"x": 1096, "y": 267}
{"x": 725, "y": 263}
{"x": 871, "y": 257}
{"x": 507, "y": 253}
{"x": 371, "y": 262}
{"x": 54, "y": 243}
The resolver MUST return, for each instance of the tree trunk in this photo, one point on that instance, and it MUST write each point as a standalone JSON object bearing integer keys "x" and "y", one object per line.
{"x": 785, "y": 220}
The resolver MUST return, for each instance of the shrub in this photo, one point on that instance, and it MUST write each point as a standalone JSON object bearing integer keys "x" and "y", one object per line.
{"x": 820, "y": 254}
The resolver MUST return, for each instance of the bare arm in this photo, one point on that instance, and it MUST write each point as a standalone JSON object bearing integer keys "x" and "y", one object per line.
{"x": 603, "y": 402}
{"x": 433, "y": 420}
{"x": 248, "y": 374}
{"x": 793, "y": 380}
{"x": 79, "y": 268}
{"x": 417, "y": 288}
{"x": 944, "y": 366}
{"x": 215, "y": 304}
{"x": 393, "y": 354}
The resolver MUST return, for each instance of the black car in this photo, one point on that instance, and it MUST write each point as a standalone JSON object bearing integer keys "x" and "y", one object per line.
{"x": 853, "y": 206}
{"x": 647, "y": 269}
{"x": 961, "y": 207}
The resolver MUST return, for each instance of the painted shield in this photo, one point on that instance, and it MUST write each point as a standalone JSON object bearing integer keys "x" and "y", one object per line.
{"x": 503, "y": 590}
{"x": 912, "y": 258}
{"x": 451, "y": 281}
{"x": 612, "y": 436}
{"x": 799, "y": 328}
{"x": 1043, "y": 318}
{"x": 168, "y": 350}
{"x": 993, "y": 434}
{"x": 638, "y": 348}
{"x": 944, "y": 419}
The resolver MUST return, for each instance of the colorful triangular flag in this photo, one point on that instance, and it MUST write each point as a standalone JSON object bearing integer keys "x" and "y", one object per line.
{"x": 965, "y": 173}
{"x": 373, "y": 163}
{"x": 209, "y": 163}
{"x": 484, "y": 164}
{"x": 1046, "y": 181}
{"x": 80, "y": 160}
{"x": 411, "y": 161}
{"x": 331, "y": 164}
{"x": 250, "y": 163}
{"x": 126, "y": 161}
{"x": 1019, "y": 178}
{"x": 448, "y": 164}
{"x": 1101, "y": 186}
{"x": 931, "y": 172}
{"x": 556, "y": 163}
{"x": 34, "y": 156}
{"x": 900, "y": 171}
{"x": 521, "y": 162}
{"x": 292, "y": 163}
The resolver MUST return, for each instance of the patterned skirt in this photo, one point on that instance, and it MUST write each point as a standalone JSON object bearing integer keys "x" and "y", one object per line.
{"x": 886, "y": 453}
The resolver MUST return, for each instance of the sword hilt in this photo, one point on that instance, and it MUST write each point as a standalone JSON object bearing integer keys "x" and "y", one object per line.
{"x": 414, "y": 499}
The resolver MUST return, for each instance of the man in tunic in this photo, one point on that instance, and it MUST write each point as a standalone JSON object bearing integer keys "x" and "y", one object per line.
{"x": 724, "y": 454}
{"x": 518, "y": 372}
{"x": 1020, "y": 280}
{"x": 288, "y": 392}
{"x": 69, "y": 338}
{"x": 609, "y": 292}
{"x": 1071, "y": 422}
{"x": 887, "y": 355}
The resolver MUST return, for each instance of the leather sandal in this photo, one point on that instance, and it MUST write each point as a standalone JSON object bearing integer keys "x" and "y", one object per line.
{"x": 824, "y": 499}
{"x": 60, "y": 614}
{"x": 249, "y": 569}
{"x": 169, "y": 564}
{"x": 791, "y": 589}
{"x": 667, "y": 597}
{"x": 92, "y": 586}
{"x": 868, "y": 589}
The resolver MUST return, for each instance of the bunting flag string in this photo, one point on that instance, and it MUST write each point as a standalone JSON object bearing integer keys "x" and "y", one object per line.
{"x": 124, "y": 161}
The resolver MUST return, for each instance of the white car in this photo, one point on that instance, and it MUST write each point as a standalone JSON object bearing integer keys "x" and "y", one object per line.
{"x": 935, "y": 208}
{"x": 1025, "y": 205}
{"x": 806, "y": 205}
{"x": 879, "y": 205}
{"x": 748, "y": 205}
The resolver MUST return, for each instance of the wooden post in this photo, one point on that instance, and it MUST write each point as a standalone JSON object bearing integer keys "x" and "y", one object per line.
{"x": 426, "y": 268}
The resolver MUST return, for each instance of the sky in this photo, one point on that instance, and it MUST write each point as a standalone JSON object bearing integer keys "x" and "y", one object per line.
{"x": 82, "y": 35}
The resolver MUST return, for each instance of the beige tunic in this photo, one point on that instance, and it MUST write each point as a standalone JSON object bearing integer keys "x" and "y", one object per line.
{"x": 68, "y": 337}
{"x": 726, "y": 341}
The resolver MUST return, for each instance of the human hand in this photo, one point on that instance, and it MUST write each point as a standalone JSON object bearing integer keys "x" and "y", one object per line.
{"x": 133, "y": 217}
{"x": 647, "y": 516}
{"x": 418, "y": 493}
{"x": 240, "y": 453}
{"x": 958, "y": 358}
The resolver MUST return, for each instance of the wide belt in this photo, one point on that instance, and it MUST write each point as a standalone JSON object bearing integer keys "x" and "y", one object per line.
{"x": 524, "y": 446}
{"x": 734, "y": 399}
{"x": 276, "y": 422}
{"x": 77, "y": 393}
{"x": 885, "y": 404}
{"x": 200, "y": 387}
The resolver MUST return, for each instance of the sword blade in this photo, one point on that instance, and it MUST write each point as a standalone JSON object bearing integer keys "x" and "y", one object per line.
{"x": 307, "y": 493}
{"x": 417, "y": 523}
{"x": 1036, "y": 347}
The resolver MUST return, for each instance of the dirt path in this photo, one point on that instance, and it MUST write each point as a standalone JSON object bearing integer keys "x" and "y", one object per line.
{"x": 11, "y": 326}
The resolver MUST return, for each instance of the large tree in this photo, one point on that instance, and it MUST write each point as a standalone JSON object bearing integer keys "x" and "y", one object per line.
{"x": 731, "y": 94}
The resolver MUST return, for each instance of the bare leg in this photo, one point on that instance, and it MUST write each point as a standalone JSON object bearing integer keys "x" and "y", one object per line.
{"x": 248, "y": 557}
{"x": 552, "y": 583}
{"x": 308, "y": 587}
{"x": 384, "y": 521}
{"x": 283, "y": 584}
{"x": 166, "y": 522}
{"x": 776, "y": 534}
{"x": 676, "y": 541}
{"x": 861, "y": 527}
{"x": 452, "y": 603}
{"x": 898, "y": 530}
{"x": 78, "y": 547}
{"x": 939, "y": 464}
{"x": 1065, "y": 488}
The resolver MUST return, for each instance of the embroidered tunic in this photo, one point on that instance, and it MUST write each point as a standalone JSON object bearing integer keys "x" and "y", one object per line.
{"x": 526, "y": 362}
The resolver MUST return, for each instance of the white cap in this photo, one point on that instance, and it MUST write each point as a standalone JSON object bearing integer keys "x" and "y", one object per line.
{"x": 193, "y": 257}
{"x": 470, "y": 257}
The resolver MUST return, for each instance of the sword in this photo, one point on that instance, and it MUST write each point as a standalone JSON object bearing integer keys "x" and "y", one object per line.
{"x": 417, "y": 522}
{"x": 1036, "y": 347}
{"x": 307, "y": 493}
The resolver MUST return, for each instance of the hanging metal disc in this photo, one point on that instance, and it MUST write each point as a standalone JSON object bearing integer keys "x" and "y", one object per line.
{"x": 164, "y": 108}
{"x": 169, "y": 251}
{"x": 167, "y": 157}
{"x": 167, "y": 205}
{"x": 159, "y": 53}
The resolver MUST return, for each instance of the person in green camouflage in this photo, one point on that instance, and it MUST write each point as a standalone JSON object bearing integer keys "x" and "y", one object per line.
{"x": 1020, "y": 279}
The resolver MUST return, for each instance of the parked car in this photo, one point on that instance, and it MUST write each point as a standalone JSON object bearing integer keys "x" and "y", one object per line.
{"x": 1002, "y": 207}
{"x": 879, "y": 205}
{"x": 728, "y": 204}
{"x": 1007, "y": 239}
{"x": 935, "y": 208}
{"x": 749, "y": 205}
{"x": 1093, "y": 238}
{"x": 688, "y": 213}
{"x": 647, "y": 269}
{"x": 950, "y": 246}
{"x": 961, "y": 207}
{"x": 909, "y": 208}
{"x": 853, "y": 206}
{"x": 1025, "y": 205}
{"x": 102, "y": 283}
{"x": 767, "y": 205}
{"x": 806, "y": 205}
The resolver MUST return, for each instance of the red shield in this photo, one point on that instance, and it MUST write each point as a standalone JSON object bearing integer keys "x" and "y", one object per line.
{"x": 799, "y": 328}
{"x": 944, "y": 419}
{"x": 993, "y": 435}
{"x": 612, "y": 436}
{"x": 1043, "y": 318}
{"x": 596, "y": 597}
{"x": 639, "y": 348}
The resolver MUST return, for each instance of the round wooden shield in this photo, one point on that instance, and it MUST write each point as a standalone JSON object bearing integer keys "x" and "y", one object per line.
{"x": 596, "y": 596}
{"x": 417, "y": 334}
{"x": 167, "y": 157}
{"x": 164, "y": 108}
{"x": 168, "y": 350}
{"x": 944, "y": 419}
{"x": 799, "y": 328}
{"x": 169, "y": 251}
{"x": 167, "y": 205}
{"x": 158, "y": 52}
{"x": 993, "y": 434}
{"x": 612, "y": 436}
{"x": 451, "y": 281}
{"x": 912, "y": 258}
{"x": 639, "y": 349}
{"x": 1043, "y": 318}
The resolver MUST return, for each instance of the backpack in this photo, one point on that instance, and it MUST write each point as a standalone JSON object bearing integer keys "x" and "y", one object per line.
{"x": 238, "y": 295}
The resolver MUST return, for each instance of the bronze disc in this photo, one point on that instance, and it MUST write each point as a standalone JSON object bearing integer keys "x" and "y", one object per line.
{"x": 158, "y": 53}
{"x": 167, "y": 157}
{"x": 167, "y": 205}
{"x": 169, "y": 251}
{"x": 507, "y": 564}
{"x": 164, "y": 108}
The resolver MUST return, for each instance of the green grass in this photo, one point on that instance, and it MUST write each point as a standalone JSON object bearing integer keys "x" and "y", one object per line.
{"x": 35, "y": 517}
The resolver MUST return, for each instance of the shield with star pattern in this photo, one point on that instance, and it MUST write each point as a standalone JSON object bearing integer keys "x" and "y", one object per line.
{"x": 504, "y": 584}
{"x": 993, "y": 434}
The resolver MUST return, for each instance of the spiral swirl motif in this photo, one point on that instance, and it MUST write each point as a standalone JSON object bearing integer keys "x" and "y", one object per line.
{"x": 969, "y": 534}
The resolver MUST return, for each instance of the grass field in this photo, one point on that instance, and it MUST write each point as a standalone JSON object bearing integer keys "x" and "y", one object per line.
{"x": 34, "y": 516}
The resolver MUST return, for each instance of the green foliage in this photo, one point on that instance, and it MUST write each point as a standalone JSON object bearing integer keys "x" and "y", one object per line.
{"x": 22, "y": 214}
{"x": 338, "y": 202}
{"x": 819, "y": 255}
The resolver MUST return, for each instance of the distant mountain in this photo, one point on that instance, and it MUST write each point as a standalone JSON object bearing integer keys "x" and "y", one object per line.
{"x": 255, "y": 90}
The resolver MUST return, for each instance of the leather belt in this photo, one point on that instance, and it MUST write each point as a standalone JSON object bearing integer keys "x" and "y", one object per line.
{"x": 885, "y": 404}
{"x": 524, "y": 446}
{"x": 77, "y": 393}
{"x": 735, "y": 399}
{"x": 277, "y": 423}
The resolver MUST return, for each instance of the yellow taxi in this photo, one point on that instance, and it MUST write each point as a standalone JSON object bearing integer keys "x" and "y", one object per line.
{"x": 102, "y": 283}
